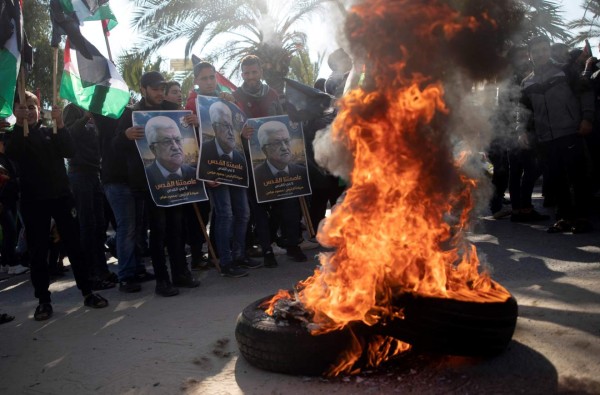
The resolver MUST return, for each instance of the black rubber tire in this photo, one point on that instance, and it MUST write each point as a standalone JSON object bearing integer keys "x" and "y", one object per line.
{"x": 286, "y": 348}
{"x": 454, "y": 327}
{"x": 436, "y": 325}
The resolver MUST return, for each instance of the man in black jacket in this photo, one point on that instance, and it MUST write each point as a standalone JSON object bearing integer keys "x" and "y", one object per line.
{"x": 84, "y": 177}
{"x": 45, "y": 194}
{"x": 160, "y": 218}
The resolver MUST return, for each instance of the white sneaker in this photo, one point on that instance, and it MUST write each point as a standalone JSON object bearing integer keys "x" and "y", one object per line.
{"x": 278, "y": 250}
{"x": 309, "y": 245}
{"x": 18, "y": 269}
{"x": 4, "y": 268}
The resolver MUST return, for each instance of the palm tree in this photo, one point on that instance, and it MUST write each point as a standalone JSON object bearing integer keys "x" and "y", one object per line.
{"x": 303, "y": 69}
{"x": 543, "y": 17}
{"x": 265, "y": 28}
{"x": 132, "y": 65}
{"x": 588, "y": 25}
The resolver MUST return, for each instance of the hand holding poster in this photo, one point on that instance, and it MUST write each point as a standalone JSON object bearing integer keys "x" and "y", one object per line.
{"x": 169, "y": 153}
{"x": 222, "y": 157}
{"x": 278, "y": 158}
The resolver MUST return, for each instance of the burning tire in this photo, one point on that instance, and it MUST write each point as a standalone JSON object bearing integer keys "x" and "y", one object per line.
{"x": 436, "y": 325}
{"x": 288, "y": 348}
{"x": 449, "y": 326}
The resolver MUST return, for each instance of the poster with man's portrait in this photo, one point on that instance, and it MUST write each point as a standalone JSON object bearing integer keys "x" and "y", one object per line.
{"x": 222, "y": 157}
{"x": 278, "y": 158}
{"x": 169, "y": 152}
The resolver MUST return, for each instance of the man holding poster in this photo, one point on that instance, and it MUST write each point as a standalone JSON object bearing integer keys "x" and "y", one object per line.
{"x": 281, "y": 175}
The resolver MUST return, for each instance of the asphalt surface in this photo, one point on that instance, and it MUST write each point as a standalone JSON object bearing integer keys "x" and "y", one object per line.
{"x": 146, "y": 344}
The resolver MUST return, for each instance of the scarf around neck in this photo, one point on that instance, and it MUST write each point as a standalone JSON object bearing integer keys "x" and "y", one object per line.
{"x": 263, "y": 89}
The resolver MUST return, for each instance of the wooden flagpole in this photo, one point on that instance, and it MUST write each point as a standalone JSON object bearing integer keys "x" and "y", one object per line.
{"x": 54, "y": 72}
{"x": 22, "y": 99}
{"x": 104, "y": 31}
{"x": 211, "y": 250}
{"x": 306, "y": 213}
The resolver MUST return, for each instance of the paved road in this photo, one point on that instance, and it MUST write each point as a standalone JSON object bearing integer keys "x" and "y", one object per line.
{"x": 144, "y": 344}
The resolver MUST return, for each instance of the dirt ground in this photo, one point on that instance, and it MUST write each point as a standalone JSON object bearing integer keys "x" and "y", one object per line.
{"x": 145, "y": 344}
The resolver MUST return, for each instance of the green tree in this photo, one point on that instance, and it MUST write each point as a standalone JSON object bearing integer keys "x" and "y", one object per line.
{"x": 588, "y": 26}
{"x": 261, "y": 27}
{"x": 542, "y": 17}
{"x": 36, "y": 22}
{"x": 131, "y": 65}
{"x": 303, "y": 69}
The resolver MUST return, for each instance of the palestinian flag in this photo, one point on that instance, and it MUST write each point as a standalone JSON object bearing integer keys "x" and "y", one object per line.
{"x": 93, "y": 84}
{"x": 90, "y": 10}
{"x": 10, "y": 53}
{"x": 224, "y": 83}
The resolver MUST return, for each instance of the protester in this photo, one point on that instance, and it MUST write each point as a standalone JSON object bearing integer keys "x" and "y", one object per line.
{"x": 166, "y": 223}
{"x": 230, "y": 203}
{"x": 256, "y": 99}
{"x": 173, "y": 93}
{"x": 84, "y": 177}
{"x": 45, "y": 194}
{"x": 127, "y": 206}
{"x": 524, "y": 169}
{"x": 562, "y": 112}
{"x": 9, "y": 195}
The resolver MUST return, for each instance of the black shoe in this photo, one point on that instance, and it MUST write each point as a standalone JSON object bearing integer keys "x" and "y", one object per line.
{"x": 144, "y": 276}
{"x": 582, "y": 226}
{"x": 560, "y": 226}
{"x": 43, "y": 312}
{"x": 233, "y": 271}
{"x": 99, "y": 285}
{"x": 188, "y": 282}
{"x": 248, "y": 263}
{"x": 201, "y": 264}
{"x": 254, "y": 251}
{"x": 112, "y": 277}
{"x": 166, "y": 289}
{"x": 130, "y": 286}
{"x": 95, "y": 301}
{"x": 269, "y": 260}
{"x": 296, "y": 254}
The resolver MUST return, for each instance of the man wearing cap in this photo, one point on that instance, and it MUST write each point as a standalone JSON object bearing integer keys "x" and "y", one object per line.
{"x": 152, "y": 90}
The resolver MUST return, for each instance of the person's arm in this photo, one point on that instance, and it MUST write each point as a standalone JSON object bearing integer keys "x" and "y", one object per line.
{"x": 126, "y": 132}
{"x": 75, "y": 118}
{"x": 62, "y": 140}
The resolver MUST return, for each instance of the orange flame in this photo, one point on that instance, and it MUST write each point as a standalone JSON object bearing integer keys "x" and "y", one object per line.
{"x": 400, "y": 228}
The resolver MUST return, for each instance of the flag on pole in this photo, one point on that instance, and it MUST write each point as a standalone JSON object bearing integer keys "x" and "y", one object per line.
{"x": 13, "y": 48}
{"x": 90, "y": 10}
{"x": 94, "y": 83}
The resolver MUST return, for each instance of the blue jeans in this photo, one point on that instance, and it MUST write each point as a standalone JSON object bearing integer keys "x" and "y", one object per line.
{"x": 128, "y": 210}
{"x": 232, "y": 214}
{"x": 89, "y": 198}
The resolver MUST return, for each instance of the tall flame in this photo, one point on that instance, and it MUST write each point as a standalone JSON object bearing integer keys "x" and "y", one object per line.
{"x": 400, "y": 228}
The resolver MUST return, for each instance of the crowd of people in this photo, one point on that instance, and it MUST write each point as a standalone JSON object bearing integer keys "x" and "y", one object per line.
{"x": 83, "y": 174}
{"x": 546, "y": 125}
{"x": 547, "y": 105}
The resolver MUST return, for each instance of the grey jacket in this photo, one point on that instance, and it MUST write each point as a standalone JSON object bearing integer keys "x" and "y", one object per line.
{"x": 557, "y": 99}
